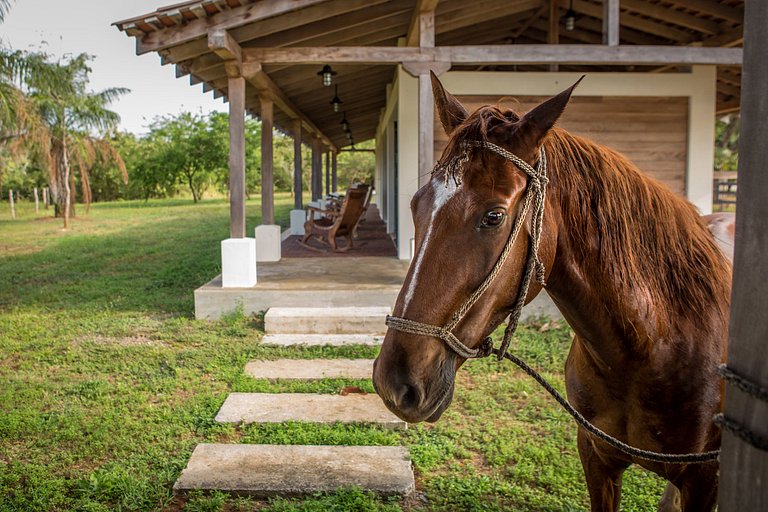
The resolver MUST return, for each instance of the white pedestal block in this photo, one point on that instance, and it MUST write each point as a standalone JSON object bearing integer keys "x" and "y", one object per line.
{"x": 268, "y": 241}
{"x": 298, "y": 218}
{"x": 238, "y": 263}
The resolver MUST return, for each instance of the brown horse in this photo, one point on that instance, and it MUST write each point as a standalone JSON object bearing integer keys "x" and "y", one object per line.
{"x": 632, "y": 267}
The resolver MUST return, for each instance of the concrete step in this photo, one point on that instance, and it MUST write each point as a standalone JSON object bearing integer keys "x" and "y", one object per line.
{"x": 294, "y": 471}
{"x": 335, "y": 340}
{"x": 311, "y": 407}
{"x": 310, "y": 369}
{"x": 346, "y": 320}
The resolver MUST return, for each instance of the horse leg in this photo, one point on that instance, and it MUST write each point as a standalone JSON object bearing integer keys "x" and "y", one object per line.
{"x": 698, "y": 488}
{"x": 670, "y": 501}
{"x": 603, "y": 475}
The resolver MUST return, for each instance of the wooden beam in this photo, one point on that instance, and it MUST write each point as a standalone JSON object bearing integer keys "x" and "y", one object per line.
{"x": 426, "y": 129}
{"x": 327, "y": 172}
{"x": 630, "y": 20}
{"x": 671, "y": 15}
{"x": 611, "y": 22}
{"x": 256, "y": 76}
{"x": 334, "y": 172}
{"x": 267, "y": 179}
{"x": 316, "y": 169}
{"x": 499, "y": 54}
{"x": 744, "y": 467}
{"x": 236, "y": 157}
{"x": 298, "y": 175}
{"x": 225, "y": 20}
{"x": 422, "y": 6}
{"x": 730, "y": 13}
{"x": 224, "y": 45}
{"x": 553, "y": 34}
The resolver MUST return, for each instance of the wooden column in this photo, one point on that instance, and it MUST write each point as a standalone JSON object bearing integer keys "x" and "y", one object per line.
{"x": 611, "y": 22}
{"x": 553, "y": 35}
{"x": 316, "y": 168}
{"x": 328, "y": 172}
{"x": 267, "y": 180}
{"x": 744, "y": 468}
{"x": 298, "y": 185}
{"x": 334, "y": 180}
{"x": 426, "y": 102}
{"x": 236, "y": 94}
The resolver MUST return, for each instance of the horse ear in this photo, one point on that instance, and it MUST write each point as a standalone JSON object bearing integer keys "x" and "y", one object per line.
{"x": 452, "y": 113}
{"x": 536, "y": 123}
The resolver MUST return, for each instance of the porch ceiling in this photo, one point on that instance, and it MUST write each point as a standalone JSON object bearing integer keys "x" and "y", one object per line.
{"x": 179, "y": 33}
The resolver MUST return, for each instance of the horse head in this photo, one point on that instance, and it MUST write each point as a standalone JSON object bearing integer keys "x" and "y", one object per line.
{"x": 464, "y": 219}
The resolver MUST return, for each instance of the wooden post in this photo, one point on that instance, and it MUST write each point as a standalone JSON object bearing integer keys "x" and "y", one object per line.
{"x": 744, "y": 468}
{"x": 37, "y": 201}
{"x": 611, "y": 22}
{"x": 298, "y": 185}
{"x": 267, "y": 180}
{"x": 236, "y": 96}
{"x": 13, "y": 206}
{"x": 328, "y": 172}
{"x": 553, "y": 35}
{"x": 426, "y": 102}
{"x": 316, "y": 168}
{"x": 334, "y": 180}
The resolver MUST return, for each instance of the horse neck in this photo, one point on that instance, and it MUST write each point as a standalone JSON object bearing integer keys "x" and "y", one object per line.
{"x": 608, "y": 297}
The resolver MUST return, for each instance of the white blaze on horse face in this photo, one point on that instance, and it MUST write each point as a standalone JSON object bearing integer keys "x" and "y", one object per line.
{"x": 443, "y": 192}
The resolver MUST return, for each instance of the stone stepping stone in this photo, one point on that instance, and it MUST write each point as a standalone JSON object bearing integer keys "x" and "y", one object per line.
{"x": 339, "y": 320}
{"x": 310, "y": 369}
{"x": 334, "y": 340}
{"x": 293, "y": 471}
{"x": 310, "y": 407}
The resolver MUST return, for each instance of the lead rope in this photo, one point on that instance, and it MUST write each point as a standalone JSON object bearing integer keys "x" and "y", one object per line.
{"x": 535, "y": 194}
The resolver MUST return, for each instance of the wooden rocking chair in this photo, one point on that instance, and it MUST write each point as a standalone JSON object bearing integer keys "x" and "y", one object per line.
{"x": 341, "y": 222}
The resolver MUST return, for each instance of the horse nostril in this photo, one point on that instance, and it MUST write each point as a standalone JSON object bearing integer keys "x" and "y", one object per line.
{"x": 408, "y": 398}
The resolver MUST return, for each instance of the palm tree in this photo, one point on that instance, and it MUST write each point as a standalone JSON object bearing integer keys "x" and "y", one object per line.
{"x": 78, "y": 125}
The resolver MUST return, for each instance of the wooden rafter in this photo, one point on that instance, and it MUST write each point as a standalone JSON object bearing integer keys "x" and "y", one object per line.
{"x": 224, "y": 20}
{"x": 503, "y": 54}
{"x": 422, "y": 7}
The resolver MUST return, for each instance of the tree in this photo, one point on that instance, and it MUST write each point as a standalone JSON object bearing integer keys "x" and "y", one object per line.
{"x": 190, "y": 148}
{"x": 78, "y": 125}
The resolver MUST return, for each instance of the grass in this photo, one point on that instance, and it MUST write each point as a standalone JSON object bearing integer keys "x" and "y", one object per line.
{"x": 107, "y": 382}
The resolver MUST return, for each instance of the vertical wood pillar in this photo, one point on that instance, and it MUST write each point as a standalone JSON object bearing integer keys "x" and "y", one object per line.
{"x": 553, "y": 35}
{"x": 316, "y": 168}
{"x": 334, "y": 180}
{"x": 743, "y": 467}
{"x": 611, "y": 22}
{"x": 426, "y": 102}
{"x": 328, "y": 172}
{"x": 267, "y": 180}
{"x": 298, "y": 185}
{"x": 236, "y": 94}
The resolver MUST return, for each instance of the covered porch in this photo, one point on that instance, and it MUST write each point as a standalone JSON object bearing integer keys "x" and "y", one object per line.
{"x": 269, "y": 59}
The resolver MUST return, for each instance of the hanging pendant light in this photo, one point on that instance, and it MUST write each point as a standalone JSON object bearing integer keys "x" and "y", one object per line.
{"x": 336, "y": 102}
{"x": 327, "y": 73}
{"x": 570, "y": 18}
{"x": 344, "y": 123}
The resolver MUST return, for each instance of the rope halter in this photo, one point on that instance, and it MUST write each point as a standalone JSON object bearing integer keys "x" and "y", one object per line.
{"x": 535, "y": 195}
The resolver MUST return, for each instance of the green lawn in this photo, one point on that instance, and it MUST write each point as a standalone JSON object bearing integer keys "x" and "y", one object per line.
{"x": 107, "y": 382}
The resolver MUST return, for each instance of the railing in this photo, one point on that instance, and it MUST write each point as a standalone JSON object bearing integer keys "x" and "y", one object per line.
{"x": 724, "y": 190}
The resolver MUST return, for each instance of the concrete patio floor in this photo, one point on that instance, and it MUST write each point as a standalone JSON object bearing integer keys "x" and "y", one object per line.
{"x": 308, "y": 282}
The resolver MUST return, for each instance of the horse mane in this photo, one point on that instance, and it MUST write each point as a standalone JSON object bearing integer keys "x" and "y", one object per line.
{"x": 627, "y": 228}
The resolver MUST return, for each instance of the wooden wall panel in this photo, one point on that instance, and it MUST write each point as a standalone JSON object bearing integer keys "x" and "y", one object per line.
{"x": 650, "y": 131}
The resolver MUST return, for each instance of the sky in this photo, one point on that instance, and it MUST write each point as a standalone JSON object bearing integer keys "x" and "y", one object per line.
{"x": 61, "y": 27}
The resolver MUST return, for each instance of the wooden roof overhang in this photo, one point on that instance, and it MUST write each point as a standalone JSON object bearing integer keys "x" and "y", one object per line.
{"x": 280, "y": 45}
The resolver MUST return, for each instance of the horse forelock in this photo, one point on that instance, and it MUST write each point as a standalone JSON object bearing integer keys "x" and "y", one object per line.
{"x": 640, "y": 236}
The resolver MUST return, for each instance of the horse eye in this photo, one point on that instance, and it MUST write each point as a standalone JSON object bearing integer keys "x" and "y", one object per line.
{"x": 492, "y": 218}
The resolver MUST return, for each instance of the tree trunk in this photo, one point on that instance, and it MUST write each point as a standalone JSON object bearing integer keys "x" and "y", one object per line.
{"x": 61, "y": 190}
